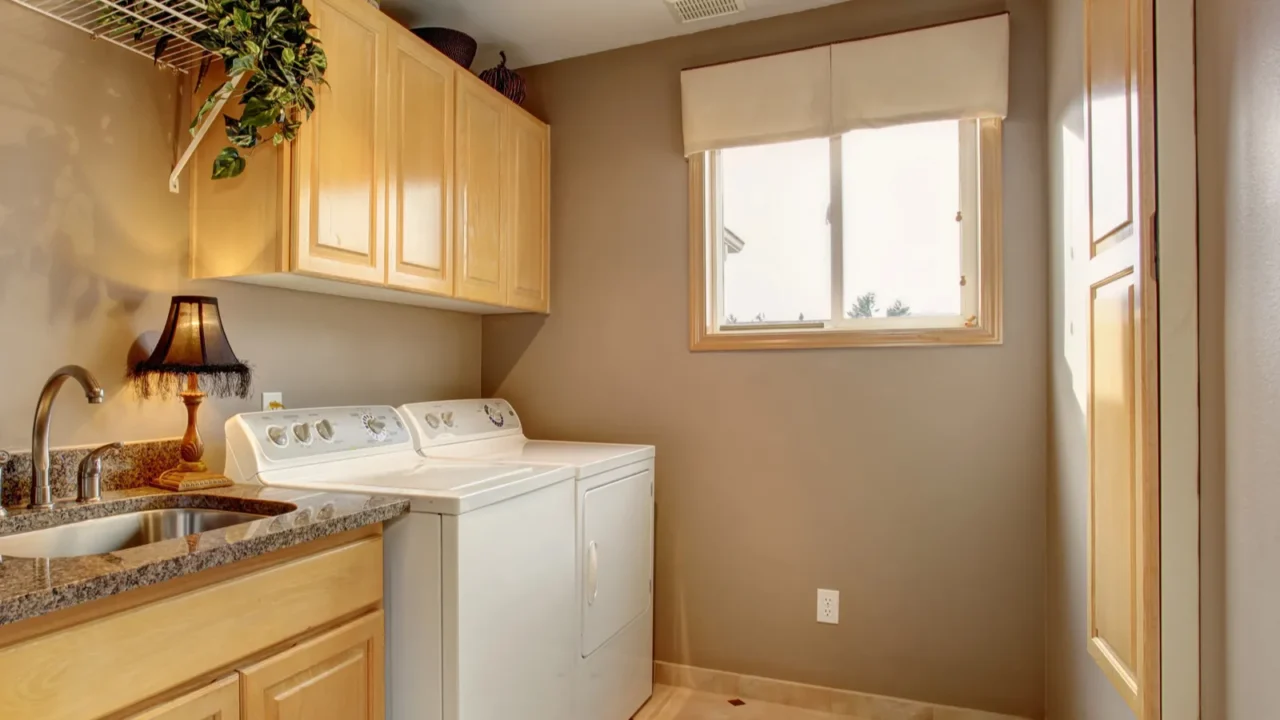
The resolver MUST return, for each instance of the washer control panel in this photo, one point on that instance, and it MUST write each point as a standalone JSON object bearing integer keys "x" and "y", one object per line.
{"x": 293, "y": 434}
{"x": 447, "y": 421}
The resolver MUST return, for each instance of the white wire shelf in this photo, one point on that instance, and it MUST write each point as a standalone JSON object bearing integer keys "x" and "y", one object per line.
{"x": 137, "y": 26}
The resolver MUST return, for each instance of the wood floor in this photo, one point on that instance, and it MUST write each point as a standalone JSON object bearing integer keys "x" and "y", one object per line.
{"x": 671, "y": 703}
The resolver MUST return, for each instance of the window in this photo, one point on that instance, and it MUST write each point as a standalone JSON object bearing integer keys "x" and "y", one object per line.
{"x": 886, "y": 236}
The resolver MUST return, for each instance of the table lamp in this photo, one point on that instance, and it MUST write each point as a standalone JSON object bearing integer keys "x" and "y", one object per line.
{"x": 193, "y": 353}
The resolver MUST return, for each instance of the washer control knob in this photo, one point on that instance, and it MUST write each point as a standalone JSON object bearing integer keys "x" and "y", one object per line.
{"x": 302, "y": 432}
{"x": 377, "y": 428}
{"x": 277, "y": 436}
{"x": 324, "y": 429}
{"x": 433, "y": 420}
{"x": 447, "y": 417}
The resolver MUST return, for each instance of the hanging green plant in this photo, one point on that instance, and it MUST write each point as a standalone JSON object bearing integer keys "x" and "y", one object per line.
{"x": 272, "y": 42}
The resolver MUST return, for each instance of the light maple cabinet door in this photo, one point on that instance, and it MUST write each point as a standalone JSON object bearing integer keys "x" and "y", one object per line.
{"x": 216, "y": 701}
{"x": 481, "y": 272}
{"x": 526, "y": 206}
{"x": 339, "y": 157}
{"x": 420, "y": 167}
{"x": 336, "y": 676}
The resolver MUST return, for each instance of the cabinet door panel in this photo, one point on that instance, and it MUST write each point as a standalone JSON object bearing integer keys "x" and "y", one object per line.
{"x": 526, "y": 208}
{"x": 218, "y": 701}
{"x": 1123, "y": 553}
{"x": 340, "y": 152}
{"x": 420, "y": 163}
{"x": 337, "y": 676}
{"x": 480, "y": 270}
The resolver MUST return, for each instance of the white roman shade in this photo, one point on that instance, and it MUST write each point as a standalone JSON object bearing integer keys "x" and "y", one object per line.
{"x": 948, "y": 72}
{"x": 753, "y": 102}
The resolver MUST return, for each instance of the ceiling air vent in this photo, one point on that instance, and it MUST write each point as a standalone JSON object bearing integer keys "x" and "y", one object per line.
{"x": 687, "y": 11}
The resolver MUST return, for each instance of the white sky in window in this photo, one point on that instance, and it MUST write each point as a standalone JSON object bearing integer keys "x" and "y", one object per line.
{"x": 902, "y": 241}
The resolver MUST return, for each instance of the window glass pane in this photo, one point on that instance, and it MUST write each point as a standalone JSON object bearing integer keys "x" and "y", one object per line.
{"x": 776, "y": 244}
{"x": 901, "y": 232}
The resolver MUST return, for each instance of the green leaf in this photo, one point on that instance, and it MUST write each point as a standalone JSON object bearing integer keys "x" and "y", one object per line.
{"x": 243, "y": 63}
{"x": 209, "y": 102}
{"x": 240, "y": 17}
{"x": 258, "y": 112}
{"x": 227, "y": 164}
{"x": 274, "y": 15}
{"x": 240, "y": 135}
{"x": 288, "y": 56}
{"x": 277, "y": 139}
{"x": 161, "y": 44}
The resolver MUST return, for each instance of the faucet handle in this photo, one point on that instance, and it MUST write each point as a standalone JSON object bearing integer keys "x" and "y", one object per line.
{"x": 89, "y": 476}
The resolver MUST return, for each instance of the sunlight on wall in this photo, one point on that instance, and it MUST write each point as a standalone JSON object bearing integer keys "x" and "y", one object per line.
{"x": 1075, "y": 265}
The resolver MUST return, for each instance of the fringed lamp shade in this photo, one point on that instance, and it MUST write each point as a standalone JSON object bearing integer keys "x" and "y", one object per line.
{"x": 193, "y": 343}
{"x": 192, "y": 356}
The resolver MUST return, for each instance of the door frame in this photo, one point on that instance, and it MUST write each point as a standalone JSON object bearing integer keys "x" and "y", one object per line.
{"x": 1177, "y": 224}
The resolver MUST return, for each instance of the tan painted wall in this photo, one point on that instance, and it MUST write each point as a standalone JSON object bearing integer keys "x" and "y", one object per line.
{"x": 912, "y": 480}
{"x": 1238, "y": 66}
{"x": 1077, "y": 689}
{"x": 92, "y": 245}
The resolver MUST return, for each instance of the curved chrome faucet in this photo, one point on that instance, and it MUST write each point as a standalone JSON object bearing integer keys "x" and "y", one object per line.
{"x": 41, "y": 491}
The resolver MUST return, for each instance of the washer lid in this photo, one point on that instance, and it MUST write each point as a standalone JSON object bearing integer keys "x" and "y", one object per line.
{"x": 433, "y": 485}
{"x": 588, "y": 459}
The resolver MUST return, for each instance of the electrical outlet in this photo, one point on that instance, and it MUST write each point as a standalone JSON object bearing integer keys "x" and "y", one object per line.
{"x": 273, "y": 401}
{"x": 829, "y": 606}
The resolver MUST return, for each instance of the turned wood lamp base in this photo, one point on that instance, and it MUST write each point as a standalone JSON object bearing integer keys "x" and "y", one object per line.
{"x": 191, "y": 473}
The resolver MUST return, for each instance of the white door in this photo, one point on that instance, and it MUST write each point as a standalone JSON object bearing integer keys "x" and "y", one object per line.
{"x": 617, "y": 564}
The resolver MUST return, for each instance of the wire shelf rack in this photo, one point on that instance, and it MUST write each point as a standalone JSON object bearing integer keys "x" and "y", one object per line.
{"x": 140, "y": 26}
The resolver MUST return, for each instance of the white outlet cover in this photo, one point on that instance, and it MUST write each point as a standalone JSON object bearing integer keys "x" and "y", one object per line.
{"x": 273, "y": 401}
{"x": 829, "y": 607}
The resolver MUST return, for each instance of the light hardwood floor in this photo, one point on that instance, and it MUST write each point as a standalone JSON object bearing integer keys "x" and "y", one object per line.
{"x": 672, "y": 703}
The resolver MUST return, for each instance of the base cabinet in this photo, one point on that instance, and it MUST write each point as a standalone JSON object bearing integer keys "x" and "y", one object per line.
{"x": 337, "y": 676}
{"x": 293, "y": 635}
{"x": 217, "y": 701}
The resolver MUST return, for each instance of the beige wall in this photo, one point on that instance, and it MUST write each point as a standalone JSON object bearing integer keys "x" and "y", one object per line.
{"x": 912, "y": 480}
{"x": 92, "y": 245}
{"x": 1239, "y": 146}
{"x": 1077, "y": 689}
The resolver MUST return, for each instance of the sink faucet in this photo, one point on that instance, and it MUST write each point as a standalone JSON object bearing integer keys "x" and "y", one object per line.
{"x": 41, "y": 490}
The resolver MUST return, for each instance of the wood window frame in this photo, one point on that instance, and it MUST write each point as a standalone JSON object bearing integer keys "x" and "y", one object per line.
{"x": 983, "y": 327}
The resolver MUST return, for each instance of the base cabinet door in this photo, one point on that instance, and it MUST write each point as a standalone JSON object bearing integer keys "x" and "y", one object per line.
{"x": 217, "y": 701}
{"x": 336, "y": 676}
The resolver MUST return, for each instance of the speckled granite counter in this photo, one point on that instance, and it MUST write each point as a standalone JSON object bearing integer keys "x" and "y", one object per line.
{"x": 32, "y": 587}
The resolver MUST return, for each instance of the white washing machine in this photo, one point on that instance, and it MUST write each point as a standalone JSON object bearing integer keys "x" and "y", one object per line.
{"x": 478, "y": 576}
{"x": 614, "y": 527}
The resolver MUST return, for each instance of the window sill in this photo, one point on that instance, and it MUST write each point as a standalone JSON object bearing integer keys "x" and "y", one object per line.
{"x": 817, "y": 339}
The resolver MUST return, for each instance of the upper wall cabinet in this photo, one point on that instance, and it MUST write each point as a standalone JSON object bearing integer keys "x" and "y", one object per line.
{"x": 413, "y": 182}
{"x": 420, "y": 165}
{"x": 526, "y": 222}
{"x": 481, "y": 117}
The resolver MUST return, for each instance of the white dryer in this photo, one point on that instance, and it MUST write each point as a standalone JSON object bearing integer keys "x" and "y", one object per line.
{"x": 614, "y": 528}
{"x": 478, "y": 576}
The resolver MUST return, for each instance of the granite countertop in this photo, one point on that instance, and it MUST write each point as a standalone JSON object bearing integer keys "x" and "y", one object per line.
{"x": 30, "y": 587}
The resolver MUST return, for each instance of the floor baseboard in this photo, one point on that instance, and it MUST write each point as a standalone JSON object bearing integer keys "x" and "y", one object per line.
{"x": 864, "y": 706}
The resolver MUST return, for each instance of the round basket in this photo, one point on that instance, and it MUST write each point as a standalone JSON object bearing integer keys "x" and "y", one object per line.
{"x": 455, "y": 44}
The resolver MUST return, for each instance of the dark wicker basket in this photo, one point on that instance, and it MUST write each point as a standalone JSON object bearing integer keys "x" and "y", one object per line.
{"x": 455, "y": 44}
{"x": 506, "y": 81}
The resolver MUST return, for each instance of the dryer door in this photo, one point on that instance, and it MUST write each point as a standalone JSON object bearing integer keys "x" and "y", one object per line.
{"x": 617, "y": 560}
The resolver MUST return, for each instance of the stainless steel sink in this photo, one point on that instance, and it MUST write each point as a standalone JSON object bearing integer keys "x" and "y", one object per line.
{"x": 117, "y": 532}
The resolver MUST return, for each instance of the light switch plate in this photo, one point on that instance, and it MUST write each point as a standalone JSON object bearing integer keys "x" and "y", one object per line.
{"x": 829, "y": 607}
{"x": 273, "y": 401}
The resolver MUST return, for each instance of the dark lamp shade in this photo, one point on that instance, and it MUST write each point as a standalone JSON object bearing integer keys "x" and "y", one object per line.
{"x": 194, "y": 342}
